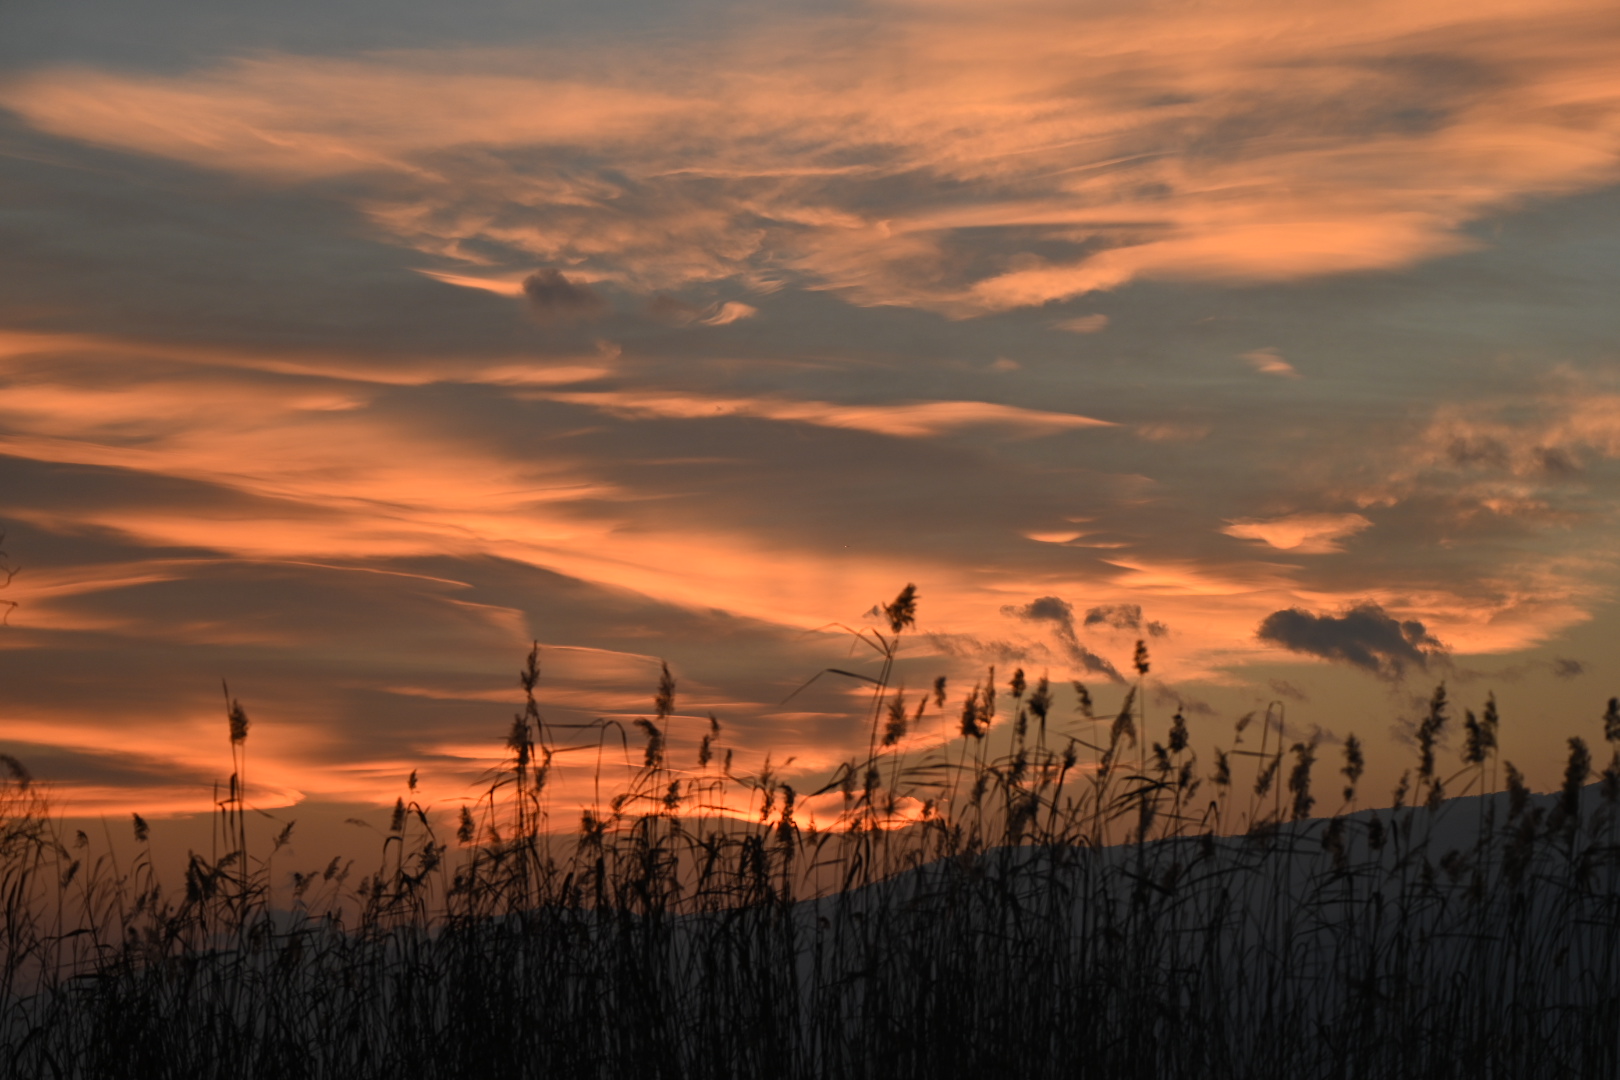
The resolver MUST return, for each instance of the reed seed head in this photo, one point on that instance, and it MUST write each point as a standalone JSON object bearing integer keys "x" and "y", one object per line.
{"x": 895, "y": 728}
{"x": 238, "y": 719}
{"x": 1124, "y": 724}
{"x": 1429, "y": 732}
{"x": 1178, "y": 732}
{"x": 654, "y": 754}
{"x": 1299, "y": 779}
{"x": 972, "y": 716}
{"x": 518, "y": 740}
{"x": 17, "y": 771}
{"x": 1474, "y": 741}
{"x": 1355, "y": 762}
{"x": 530, "y": 675}
{"x": 1576, "y": 769}
{"x": 903, "y": 611}
{"x": 1262, "y": 782}
{"x": 1518, "y": 793}
{"x": 1040, "y": 702}
{"x": 664, "y": 702}
{"x": 1082, "y": 699}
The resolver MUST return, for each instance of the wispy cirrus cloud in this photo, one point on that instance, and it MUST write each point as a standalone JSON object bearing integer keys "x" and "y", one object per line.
{"x": 902, "y": 420}
{"x": 949, "y": 160}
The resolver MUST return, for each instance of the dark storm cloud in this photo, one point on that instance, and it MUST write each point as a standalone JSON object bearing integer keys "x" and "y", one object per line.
{"x": 1060, "y": 613}
{"x": 553, "y": 298}
{"x": 1364, "y": 637}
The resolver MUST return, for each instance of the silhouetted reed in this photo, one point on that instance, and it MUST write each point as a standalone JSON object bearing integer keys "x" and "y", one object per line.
{"x": 1043, "y": 894}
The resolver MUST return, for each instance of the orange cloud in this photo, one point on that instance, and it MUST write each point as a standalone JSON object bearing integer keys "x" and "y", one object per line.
{"x": 912, "y": 420}
{"x": 1270, "y": 362}
{"x": 1234, "y": 142}
{"x": 1304, "y": 534}
{"x": 312, "y": 469}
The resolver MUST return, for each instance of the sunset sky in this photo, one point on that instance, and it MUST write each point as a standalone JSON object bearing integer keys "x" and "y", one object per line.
{"x": 347, "y": 349}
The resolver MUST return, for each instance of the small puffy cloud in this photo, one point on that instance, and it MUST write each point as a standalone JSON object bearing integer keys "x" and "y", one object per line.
{"x": 1567, "y": 669}
{"x": 1124, "y": 617}
{"x": 1085, "y": 324}
{"x": 1117, "y": 616}
{"x": 1050, "y": 608}
{"x": 1364, "y": 636}
{"x": 553, "y": 298}
{"x": 1005, "y": 363}
{"x": 1060, "y": 613}
{"x": 1270, "y": 362}
{"x": 1303, "y": 534}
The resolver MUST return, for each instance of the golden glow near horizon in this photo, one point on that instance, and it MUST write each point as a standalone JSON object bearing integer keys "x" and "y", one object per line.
{"x": 344, "y": 372}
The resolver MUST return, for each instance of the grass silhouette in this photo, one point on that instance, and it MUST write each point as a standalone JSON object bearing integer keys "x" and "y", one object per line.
{"x": 1072, "y": 899}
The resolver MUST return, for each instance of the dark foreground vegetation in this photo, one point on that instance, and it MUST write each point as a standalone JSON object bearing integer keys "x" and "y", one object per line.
{"x": 1081, "y": 901}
